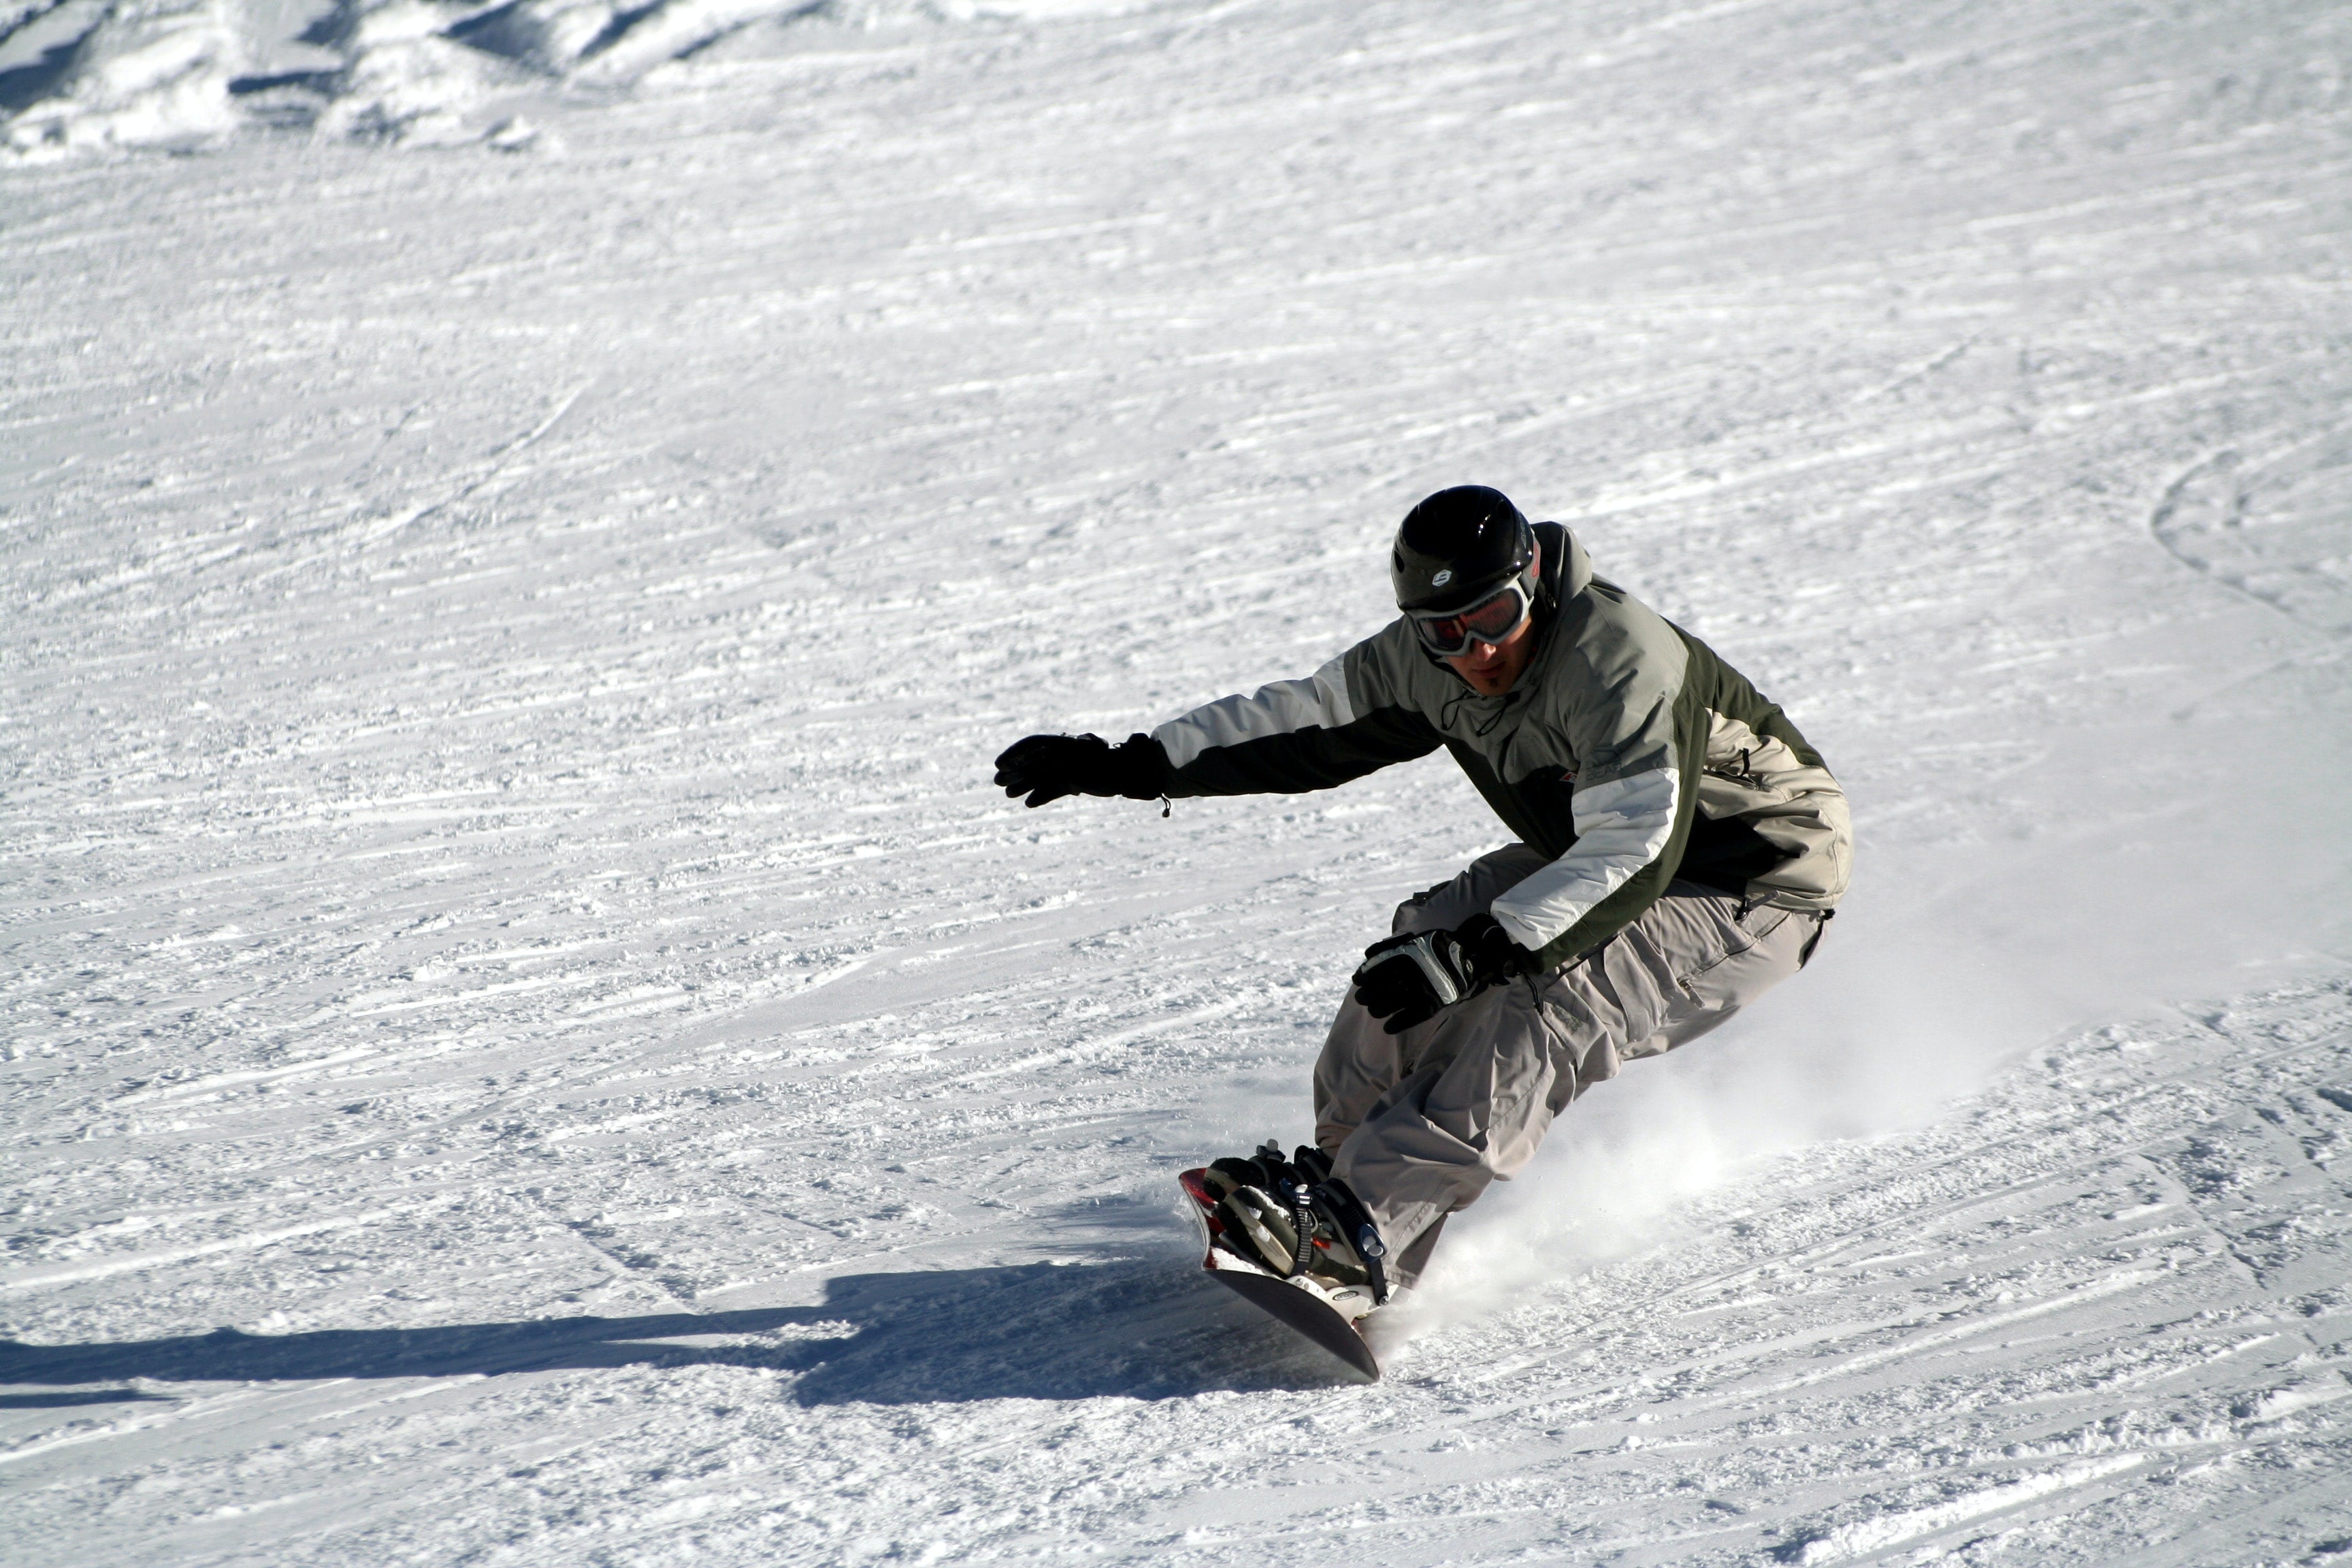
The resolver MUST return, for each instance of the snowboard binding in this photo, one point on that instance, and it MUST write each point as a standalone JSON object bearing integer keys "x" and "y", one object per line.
{"x": 1291, "y": 1239}
{"x": 1295, "y": 1219}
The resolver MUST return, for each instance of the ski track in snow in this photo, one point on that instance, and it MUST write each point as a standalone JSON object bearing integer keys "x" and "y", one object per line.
{"x": 529, "y": 1040}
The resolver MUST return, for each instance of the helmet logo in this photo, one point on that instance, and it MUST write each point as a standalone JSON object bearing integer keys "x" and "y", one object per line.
{"x": 1442, "y": 579}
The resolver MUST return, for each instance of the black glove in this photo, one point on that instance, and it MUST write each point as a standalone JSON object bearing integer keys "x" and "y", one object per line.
{"x": 1047, "y": 767}
{"x": 1405, "y": 980}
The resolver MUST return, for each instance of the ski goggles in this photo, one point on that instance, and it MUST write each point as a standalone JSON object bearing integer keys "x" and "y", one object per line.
{"x": 1491, "y": 620}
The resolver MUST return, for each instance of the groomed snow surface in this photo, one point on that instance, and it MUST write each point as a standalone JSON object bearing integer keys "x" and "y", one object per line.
{"x": 531, "y": 1039}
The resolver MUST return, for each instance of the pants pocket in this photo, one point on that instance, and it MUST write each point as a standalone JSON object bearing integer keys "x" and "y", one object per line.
{"x": 1737, "y": 937}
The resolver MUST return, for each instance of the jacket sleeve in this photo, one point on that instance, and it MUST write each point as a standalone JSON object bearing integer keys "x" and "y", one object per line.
{"x": 1294, "y": 735}
{"x": 1632, "y": 800}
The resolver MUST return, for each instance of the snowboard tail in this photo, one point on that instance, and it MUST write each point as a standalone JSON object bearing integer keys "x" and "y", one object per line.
{"x": 1300, "y": 1304}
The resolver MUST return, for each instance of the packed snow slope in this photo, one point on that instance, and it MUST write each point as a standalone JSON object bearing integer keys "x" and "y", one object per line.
{"x": 531, "y": 1039}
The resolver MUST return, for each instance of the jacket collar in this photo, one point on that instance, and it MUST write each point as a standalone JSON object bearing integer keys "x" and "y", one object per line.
{"x": 1566, "y": 569}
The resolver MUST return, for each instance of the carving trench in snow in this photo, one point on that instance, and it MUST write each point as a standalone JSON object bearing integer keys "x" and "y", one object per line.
{"x": 2261, "y": 528}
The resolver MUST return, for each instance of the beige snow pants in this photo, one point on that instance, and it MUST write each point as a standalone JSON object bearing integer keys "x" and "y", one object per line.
{"x": 1418, "y": 1123}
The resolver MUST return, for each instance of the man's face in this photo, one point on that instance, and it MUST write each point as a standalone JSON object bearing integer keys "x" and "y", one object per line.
{"x": 1493, "y": 668}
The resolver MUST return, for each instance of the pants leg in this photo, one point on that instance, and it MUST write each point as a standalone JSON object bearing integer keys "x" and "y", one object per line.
{"x": 1468, "y": 1096}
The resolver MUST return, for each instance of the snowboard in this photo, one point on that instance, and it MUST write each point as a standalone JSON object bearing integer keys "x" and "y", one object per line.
{"x": 1330, "y": 1320}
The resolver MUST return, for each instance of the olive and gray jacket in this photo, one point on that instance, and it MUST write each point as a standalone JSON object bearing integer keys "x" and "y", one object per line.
{"x": 1628, "y": 754}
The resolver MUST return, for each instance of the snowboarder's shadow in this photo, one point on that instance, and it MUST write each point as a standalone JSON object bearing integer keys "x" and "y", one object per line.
{"x": 1140, "y": 1328}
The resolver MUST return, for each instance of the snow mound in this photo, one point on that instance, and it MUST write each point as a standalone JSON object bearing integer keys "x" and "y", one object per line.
{"x": 83, "y": 76}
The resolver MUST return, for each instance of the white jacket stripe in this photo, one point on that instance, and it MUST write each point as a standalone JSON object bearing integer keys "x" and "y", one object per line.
{"x": 1621, "y": 826}
{"x": 1282, "y": 709}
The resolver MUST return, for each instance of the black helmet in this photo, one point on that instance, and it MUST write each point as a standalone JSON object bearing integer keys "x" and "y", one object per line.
{"x": 1459, "y": 545}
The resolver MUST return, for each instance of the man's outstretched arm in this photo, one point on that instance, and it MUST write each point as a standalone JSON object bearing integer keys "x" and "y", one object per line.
{"x": 1289, "y": 737}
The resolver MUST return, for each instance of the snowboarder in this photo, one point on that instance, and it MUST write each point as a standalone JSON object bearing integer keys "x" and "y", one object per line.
{"x": 1680, "y": 847}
